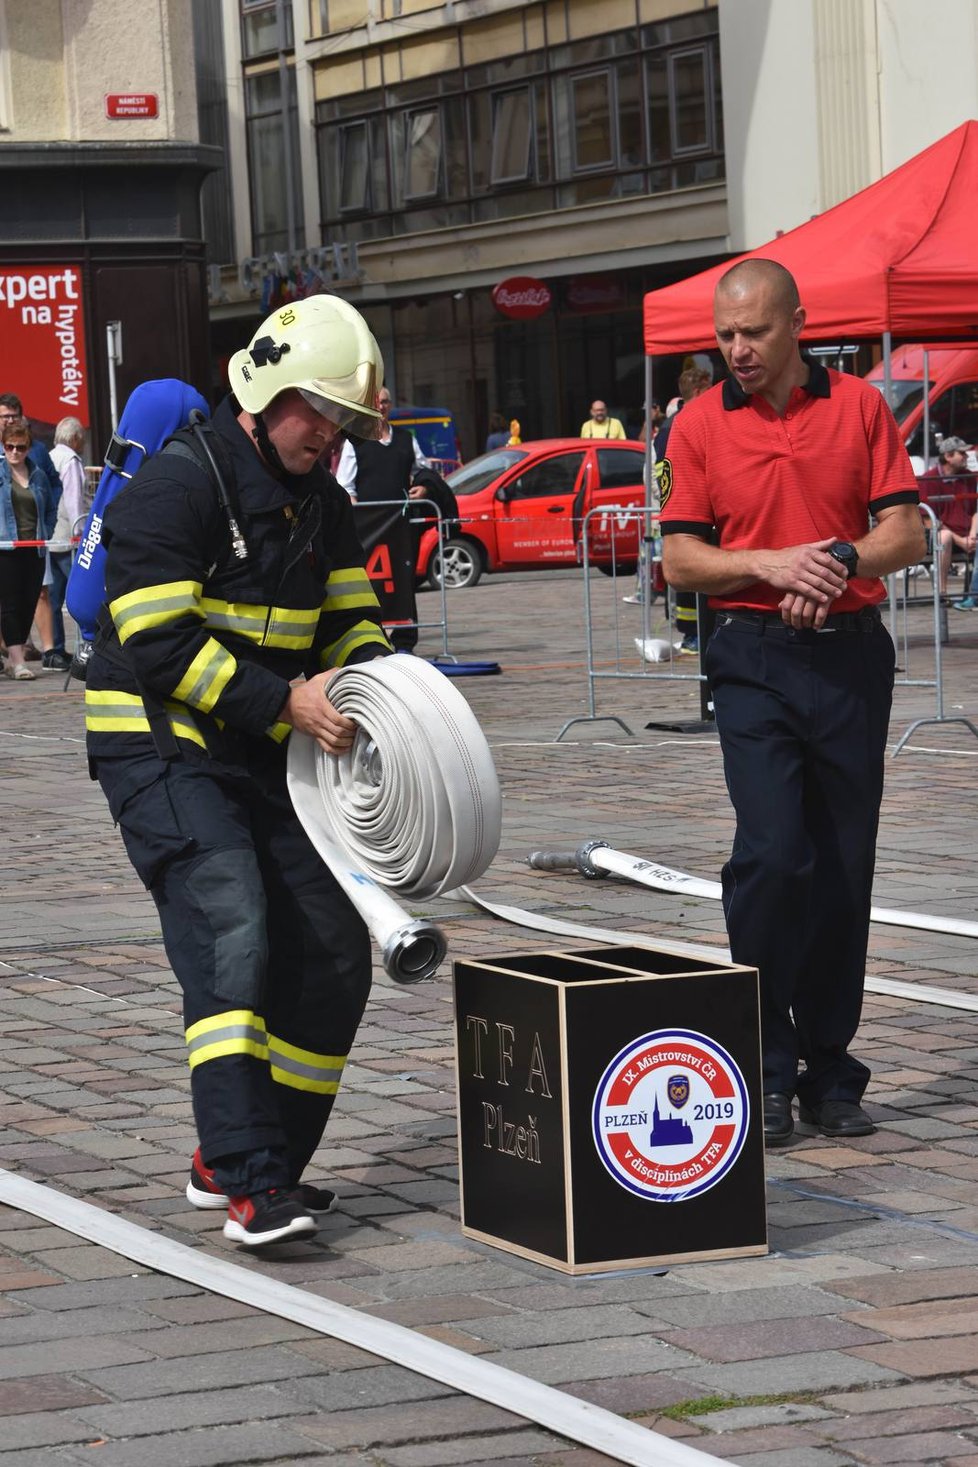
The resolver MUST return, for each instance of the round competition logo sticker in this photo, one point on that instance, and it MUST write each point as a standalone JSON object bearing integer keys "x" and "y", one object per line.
{"x": 670, "y": 1115}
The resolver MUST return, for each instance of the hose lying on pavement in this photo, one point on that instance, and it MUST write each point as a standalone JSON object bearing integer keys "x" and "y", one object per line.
{"x": 413, "y": 807}
{"x": 596, "y": 858}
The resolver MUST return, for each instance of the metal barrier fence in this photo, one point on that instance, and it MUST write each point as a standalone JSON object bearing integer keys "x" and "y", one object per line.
{"x": 432, "y": 512}
{"x": 900, "y": 632}
{"x": 657, "y": 655}
{"x": 620, "y": 665}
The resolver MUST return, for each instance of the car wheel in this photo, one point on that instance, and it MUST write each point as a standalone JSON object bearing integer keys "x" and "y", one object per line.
{"x": 463, "y": 565}
{"x": 620, "y": 567}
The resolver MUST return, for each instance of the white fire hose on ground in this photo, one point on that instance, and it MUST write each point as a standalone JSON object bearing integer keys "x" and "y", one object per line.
{"x": 597, "y": 858}
{"x": 413, "y": 807}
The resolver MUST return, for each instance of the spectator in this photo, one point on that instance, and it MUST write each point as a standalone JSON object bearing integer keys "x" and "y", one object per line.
{"x": 69, "y": 438}
{"x": 693, "y": 381}
{"x": 970, "y": 602}
{"x": 381, "y": 467}
{"x": 378, "y": 471}
{"x": 657, "y": 417}
{"x": 498, "y": 435}
{"x": 11, "y": 407}
{"x": 27, "y": 512}
{"x": 599, "y": 425}
{"x": 954, "y": 503}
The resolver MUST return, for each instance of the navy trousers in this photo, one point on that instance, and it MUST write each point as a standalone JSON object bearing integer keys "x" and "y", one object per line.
{"x": 272, "y": 958}
{"x": 802, "y": 718}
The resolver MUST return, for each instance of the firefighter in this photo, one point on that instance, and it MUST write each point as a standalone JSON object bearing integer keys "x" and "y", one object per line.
{"x": 227, "y": 578}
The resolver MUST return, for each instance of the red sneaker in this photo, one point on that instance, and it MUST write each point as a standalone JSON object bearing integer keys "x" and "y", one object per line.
{"x": 202, "y": 1189}
{"x": 204, "y": 1192}
{"x": 268, "y": 1217}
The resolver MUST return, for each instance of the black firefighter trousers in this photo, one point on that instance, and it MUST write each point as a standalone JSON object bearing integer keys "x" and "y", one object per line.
{"x": 802, "y": 718}
{"x": 272, "y": 958}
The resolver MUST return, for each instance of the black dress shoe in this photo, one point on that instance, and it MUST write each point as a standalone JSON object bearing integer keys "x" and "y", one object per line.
{"x": 778, "y": 1120}
{"x": 837, "y": 1118}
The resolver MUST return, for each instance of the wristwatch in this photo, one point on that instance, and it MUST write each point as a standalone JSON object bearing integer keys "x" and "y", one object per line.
{"x": 847, "y": 556}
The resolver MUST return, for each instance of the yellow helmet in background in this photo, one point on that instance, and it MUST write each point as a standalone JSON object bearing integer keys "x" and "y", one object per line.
{"x": 321, "y": 347}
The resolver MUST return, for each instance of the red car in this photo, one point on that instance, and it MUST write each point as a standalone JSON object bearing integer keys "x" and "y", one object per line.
{"x": 523, "y": 508}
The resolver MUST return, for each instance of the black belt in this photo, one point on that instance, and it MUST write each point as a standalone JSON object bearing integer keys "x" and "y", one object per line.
{"x": 767, "y": 623}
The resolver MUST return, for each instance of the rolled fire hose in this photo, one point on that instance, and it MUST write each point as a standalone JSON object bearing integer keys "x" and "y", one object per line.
{"x": 413, "y": 807}
{"x": 596, "y": 858}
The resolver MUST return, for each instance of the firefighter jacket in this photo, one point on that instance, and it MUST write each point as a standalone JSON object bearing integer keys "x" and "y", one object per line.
{"x": 209, "y": 640}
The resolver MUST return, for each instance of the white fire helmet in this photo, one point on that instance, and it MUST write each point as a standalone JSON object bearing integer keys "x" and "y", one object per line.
{"x": 322, "y": 347}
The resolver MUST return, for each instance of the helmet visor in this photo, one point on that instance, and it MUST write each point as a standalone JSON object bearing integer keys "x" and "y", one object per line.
{"x": 350, "y": 418}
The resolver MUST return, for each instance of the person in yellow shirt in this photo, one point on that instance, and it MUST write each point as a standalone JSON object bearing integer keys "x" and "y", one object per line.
{"x": 599, "y": 425}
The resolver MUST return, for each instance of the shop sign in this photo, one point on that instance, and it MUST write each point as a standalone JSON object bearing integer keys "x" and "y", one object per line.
{"x": 594, "y": 293}
{"x": 132, "y": 104}
{"x": 43, "y": 334}
{"x": 522, "y": 297}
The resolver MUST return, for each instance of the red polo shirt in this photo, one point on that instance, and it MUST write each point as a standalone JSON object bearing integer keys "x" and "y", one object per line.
{"x": 762, "y": 481}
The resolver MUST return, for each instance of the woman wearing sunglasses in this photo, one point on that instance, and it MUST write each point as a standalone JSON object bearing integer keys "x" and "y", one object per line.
{"x": 27, "y": 512}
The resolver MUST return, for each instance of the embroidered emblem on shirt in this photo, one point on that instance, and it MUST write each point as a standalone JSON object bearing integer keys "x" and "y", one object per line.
{"x": 665, "y": 482}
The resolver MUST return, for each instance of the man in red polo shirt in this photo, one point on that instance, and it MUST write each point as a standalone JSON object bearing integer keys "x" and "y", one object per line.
{"x": 767, "y": 493}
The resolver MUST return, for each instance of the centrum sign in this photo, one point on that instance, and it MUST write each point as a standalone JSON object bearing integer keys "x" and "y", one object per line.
{"x": 42, "y": 330}
{"x": 522, "y": 297}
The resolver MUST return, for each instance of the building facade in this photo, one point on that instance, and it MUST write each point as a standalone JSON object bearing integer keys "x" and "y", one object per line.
{"x": 563, "y": 157}
{"x": 102, "y": 263}
{"x": 440, "y": 151}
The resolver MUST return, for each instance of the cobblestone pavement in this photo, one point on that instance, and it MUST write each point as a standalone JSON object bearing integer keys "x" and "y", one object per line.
{"x": 854, "y": 1341}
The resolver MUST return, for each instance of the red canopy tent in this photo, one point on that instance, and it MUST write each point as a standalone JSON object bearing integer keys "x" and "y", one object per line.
{"x": 899, "y": 258}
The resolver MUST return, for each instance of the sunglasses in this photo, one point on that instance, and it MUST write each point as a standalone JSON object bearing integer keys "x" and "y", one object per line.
{"x": 20, "y": 447}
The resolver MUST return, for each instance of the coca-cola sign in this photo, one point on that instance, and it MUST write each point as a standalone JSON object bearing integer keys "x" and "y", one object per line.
{"x": 522, "y": 297}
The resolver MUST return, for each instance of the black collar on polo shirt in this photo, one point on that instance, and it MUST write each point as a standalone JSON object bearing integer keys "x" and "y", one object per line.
{"x": 818, "y": 385}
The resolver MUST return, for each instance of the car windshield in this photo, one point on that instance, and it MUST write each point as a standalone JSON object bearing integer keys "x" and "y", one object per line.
{"x": 904, "y": 395}
{"x": 484, "y": 469}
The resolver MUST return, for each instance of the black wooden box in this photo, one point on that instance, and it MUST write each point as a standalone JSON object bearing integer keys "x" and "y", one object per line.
{"x": 595, "y": 1088}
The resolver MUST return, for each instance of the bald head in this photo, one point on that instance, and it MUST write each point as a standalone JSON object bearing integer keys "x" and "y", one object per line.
{"x": 758, "y": 322}
{"x": 749, "y": 276}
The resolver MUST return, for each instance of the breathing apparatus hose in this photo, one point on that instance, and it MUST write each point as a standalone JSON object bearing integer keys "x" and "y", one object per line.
{"x": 413, "y": 808}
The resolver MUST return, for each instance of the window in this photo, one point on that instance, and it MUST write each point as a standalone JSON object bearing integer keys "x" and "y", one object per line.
{"x": 626, "y": 114}
{"x": 553, "y": 476}
{"x": 660, "y": 126}
{"x": 511, "y": 136}
{"x": 354, "y": 168}
{"x": 689, "y": 89}
{"x": 422, "y": 143}
{"x": 267, "y": 177}
{"x": 620, "y": 468}
{"x": 259, "y": 28}
{"x": 594, "y": 142}
{"x": 964, "y": 412}
{"x": 481, "y": 471}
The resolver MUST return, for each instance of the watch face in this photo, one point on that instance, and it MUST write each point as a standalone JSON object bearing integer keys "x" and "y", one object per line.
{"x": 845, "y": 554}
